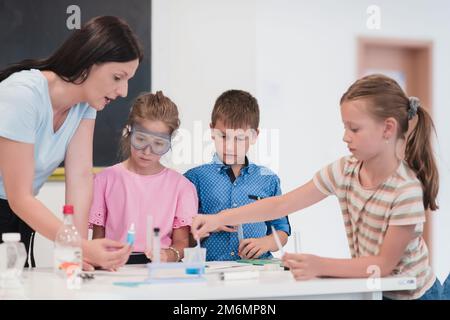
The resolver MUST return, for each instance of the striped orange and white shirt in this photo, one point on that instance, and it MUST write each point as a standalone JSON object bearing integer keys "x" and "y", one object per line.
{"x": 369, "y": 212}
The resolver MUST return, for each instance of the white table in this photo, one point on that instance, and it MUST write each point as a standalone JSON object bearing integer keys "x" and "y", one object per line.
{"x": 42, "y": 283}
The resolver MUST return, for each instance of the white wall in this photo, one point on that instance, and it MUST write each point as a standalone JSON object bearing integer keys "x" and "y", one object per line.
{"x": 297, "y": 57}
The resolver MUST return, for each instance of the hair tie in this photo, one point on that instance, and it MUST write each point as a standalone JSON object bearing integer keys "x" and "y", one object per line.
{"x": 414, "y": 104}
{"x": 126, "y": 131}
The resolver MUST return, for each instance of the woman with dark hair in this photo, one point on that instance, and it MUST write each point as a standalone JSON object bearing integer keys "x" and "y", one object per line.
{"x": 47, "y": 115}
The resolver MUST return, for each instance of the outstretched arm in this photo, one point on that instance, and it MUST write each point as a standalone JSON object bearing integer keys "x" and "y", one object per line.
{"x": 274, "y": 207}
{"x": 262, "y": 210}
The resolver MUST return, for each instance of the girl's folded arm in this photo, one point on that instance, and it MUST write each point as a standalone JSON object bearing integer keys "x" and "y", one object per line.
{"x": 394, "y": 245}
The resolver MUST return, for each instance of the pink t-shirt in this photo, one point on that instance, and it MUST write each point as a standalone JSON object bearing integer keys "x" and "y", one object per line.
{"x": 122, "y": 197}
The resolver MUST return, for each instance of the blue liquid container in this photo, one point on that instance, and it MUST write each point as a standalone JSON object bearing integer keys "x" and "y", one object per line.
{"x": 195, "y": 270}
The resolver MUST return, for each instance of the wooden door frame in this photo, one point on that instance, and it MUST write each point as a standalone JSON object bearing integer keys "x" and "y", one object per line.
{"x": 423, "y": 47}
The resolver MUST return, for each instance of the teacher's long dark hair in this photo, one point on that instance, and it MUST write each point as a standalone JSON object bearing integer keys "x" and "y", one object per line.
{"x": 101, "y": 39}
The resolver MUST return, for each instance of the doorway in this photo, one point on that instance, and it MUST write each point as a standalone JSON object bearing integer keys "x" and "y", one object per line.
{"x": 409, "y": 62}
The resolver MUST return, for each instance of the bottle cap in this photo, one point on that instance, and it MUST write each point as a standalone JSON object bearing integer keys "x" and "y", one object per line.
{"x": 68, "y": 209}
{"x": 131, "y": 230}
{"x": 156, "y": 231}
{"x": 7, "y": 237}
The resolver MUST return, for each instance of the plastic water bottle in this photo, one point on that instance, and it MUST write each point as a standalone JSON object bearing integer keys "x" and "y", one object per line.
{"x": 67, "y": 256}
{"x": 12, "y": 259}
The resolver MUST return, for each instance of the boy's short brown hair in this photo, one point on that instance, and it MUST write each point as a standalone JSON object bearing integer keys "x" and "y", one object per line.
{"x": 237, "y": 109}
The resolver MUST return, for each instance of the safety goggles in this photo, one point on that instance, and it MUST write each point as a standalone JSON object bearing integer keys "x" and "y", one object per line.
{"x": 159, "y": 143}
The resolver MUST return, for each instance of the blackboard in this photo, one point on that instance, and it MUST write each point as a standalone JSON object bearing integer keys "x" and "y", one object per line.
{"x": 31, "y": 29}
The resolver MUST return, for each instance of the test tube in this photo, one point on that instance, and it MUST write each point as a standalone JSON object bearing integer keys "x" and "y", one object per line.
{"x": 297, "y": 242}
{"x": 277, "y": 240}
{"x": 240, "y": 232}
{"x": 149, "y": 233}
{"x": 156, "y": 246}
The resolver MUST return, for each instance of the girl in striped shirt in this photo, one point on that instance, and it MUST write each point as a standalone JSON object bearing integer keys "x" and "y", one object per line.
{"x": 384, "y": 188}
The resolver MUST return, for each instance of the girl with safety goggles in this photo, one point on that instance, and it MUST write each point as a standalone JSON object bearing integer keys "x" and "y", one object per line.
{"x": 140, "y": 189}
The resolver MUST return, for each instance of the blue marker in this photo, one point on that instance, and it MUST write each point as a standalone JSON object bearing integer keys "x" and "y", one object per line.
{"x": 130, "y": 235}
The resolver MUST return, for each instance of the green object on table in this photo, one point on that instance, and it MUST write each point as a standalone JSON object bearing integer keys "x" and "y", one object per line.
{"x": 260, "y": 262}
